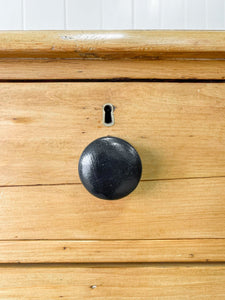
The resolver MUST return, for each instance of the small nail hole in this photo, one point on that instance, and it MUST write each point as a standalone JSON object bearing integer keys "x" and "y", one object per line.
{"x": 93, "y": 286}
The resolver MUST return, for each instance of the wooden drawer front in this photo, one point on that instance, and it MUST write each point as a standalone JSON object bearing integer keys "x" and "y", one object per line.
{"x": 192, "y": 208}
{"x": 178, "y": 129}
{"x": 115, "y": 282}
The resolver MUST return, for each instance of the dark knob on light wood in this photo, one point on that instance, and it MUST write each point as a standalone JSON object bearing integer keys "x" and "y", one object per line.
{"x": 110, "y": 168}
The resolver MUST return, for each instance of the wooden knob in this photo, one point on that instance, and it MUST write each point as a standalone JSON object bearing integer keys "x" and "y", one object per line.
{"x": 110, "y": 168}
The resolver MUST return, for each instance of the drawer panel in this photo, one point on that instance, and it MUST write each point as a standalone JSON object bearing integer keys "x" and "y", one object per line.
{"x": 188, "y": 208}
{"x": 113, "y": 282}
{"x": 76, "y": 69}
{"x": 178, "y": 128}
{"x": 112, "y": 251}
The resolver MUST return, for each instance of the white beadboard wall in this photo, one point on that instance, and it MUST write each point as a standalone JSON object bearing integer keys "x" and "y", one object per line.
{"x": 111, "y": 14}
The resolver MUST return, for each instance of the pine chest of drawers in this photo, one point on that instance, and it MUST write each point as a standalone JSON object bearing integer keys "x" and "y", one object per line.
{"x": 166, "y": 239}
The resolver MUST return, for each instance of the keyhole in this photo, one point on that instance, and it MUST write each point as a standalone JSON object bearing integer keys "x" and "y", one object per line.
{"x": 108, "y": 117}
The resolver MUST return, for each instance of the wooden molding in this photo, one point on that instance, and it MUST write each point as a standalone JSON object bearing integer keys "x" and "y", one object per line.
{"x": 113, "y": 44}
{"x": 112, "y": 55}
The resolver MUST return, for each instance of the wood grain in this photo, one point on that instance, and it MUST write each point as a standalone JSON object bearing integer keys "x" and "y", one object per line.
{"x": 51, "y": 69}
{"x": 113, "y": 44}
{"x": 167, "y": 209}
{"x": 113, "y": 251}
{"x": 142, "y": 282}
{"x": 179, "y": 131}
{"x": 177, "y": 128}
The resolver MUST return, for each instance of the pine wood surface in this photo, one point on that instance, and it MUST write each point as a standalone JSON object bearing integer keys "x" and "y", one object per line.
{"x": 112, "y": 251}
{"x": 164, "y": 209}
{"x": 142, "y": 282}
{"x": 177, "y": 128}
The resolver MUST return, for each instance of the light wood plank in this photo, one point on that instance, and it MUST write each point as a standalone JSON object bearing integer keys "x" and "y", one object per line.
{"x": 113, "y": 251}
{"x": 177, "y": 128}
{"x": 113, "y": 44}
{"x": 36, "y": 69}
{"x": 191, "y": 208}
{"x": 202, "y": 282}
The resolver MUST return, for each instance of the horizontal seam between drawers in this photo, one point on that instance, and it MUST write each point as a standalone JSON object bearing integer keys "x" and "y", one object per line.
{"x": 114, "y": 80}
{"x": 113, "y": 264}
{"x": 108, "y": 240}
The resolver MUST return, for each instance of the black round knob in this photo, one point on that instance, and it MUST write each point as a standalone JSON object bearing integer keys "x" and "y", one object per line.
{"x": 110, "y": 168}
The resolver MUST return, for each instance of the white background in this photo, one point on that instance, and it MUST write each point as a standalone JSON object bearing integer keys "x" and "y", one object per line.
{"x": 111, "y": 14}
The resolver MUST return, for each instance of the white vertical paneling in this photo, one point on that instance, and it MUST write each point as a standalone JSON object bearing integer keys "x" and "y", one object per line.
{"x": 173, "y": 14}
{"x": 44, "y": 14}
{"x": 116, "y": 14}
{"x": 215, "y": 14}
{"x": 112, "y": 14}
{"x": 11, "y": 15}
{"x": 146, "y": 14}
{"x": 84, "y": 14}
{"x": 196, "y": 14}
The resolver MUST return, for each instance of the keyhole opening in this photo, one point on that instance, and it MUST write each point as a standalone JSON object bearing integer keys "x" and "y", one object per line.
{"x": 108, "y": 118}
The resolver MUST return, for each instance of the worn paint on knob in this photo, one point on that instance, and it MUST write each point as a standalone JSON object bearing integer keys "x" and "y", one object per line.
{"x": 110, "y": 168}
